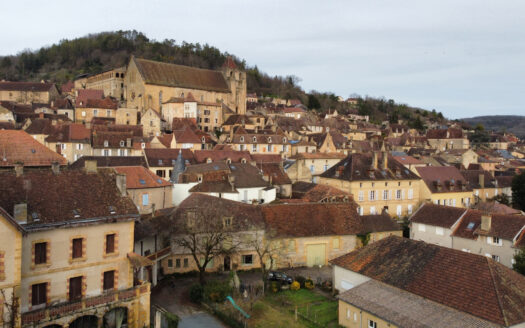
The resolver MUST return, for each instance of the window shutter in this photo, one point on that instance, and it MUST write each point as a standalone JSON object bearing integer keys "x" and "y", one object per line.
{"x": 77, "y": 248}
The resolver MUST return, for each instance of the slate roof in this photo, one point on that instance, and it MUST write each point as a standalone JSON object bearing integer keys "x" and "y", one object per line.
{"x": 180, "y": 76}
{"x": 41, "y": 126}
{"x": 322, "y": 219}
{"x": 405, "y": 309}
{"x": 495, "y": 208}
{"x": 109, "y": 161}
{"x": 55, "y": 198}
{"x": 247, "y": 176}
{"x": 18, "y": 146}
{"x": 408, "y": 160}
{"x": 472, "y": 176}
{"x": 467, "y": 282}
{"x": 358, "y": 167}
{"x": 139, "y": 177}
{"x": 166, "y": 157}
{"x": 437, "y": 215}
{"x": 443, "y": 176}
{"x": 201, "y": 156}
{"x": 275, "y": 173}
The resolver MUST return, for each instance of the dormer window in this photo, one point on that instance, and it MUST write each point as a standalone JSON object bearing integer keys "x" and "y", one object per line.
{"x": 199, "y": 178}
{"x": 242, "y": 139}
{"x": 243, "y": 160}
{"x": 228, "y": 139}
{"x": 227, "y": 221}
{"x": 143, "y": 145}
{"x": 284, "y": 140}
{"x": 106, "y": 143}
{"x": 203, "y": 140}
{"x": 269, "y": 139}
{"x": 254, "y": 139}
{"x": 208, "y": 160}
{"x": 122, "y": 143}
{"x": 229, "y": 161}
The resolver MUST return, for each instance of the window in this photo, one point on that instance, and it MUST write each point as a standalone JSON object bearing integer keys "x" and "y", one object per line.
{"x": 39, "y": 294}
{"x": 372, "y": 195}
{"x": 110, "y": 243}
{"x": 398, "y": 194}
{"x": 409, "y": 209}
{"x": 348, "y": 313}
{"x": 325, "y": 168}
{"x": 335, "y": 243}
{"x": 75, "y": 288}
{"x": 106, "y": 143}
{"x": 312, "y": 169}
{"x": 80, "y": 146}
{"x": 372, "y": 324}
{"x": 77, "y": 248}
{"x": 170, "y": 263}
{"x": 145, "y": 199}
{"x": 122, "y": 152}
{"x": 185, "y": 263}
{"x": 494, "y": 241}
{"x": 372, "y": 210}
{"x": 109, "y": 280}
{"x": 410, "y": 193}
{"x": 83, "y": 114}
{"x": 421, "y": 227}
{"x": 161, "y": 173}
{"x": 439, "y": 231}
{"x": 227, "y": 221}
{"x": 399, "y": 210}
{"x": 254, "y": 139}
{"x": 466, "y": 250}
{"x": 361, "y": 196}
{"x": 122, "y": 143}
{"x": 40, "y": 253}
{"x": 385, "y": 194}
{"x": 254, "y": 148}
{"x": 95, "y": 112}
{"x": 247, "y": 259}
{"x": 495, "y": 258}
{"x": 177, "y": 263}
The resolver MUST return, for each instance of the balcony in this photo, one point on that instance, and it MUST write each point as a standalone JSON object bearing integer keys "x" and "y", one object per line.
{"x": 55, "y": 311}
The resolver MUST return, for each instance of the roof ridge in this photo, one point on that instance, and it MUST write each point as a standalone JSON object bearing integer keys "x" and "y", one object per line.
{"x": 498, "y": 297}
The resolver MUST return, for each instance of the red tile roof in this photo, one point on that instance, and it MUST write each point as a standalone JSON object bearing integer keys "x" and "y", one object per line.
{"x": 139, "y": 177}
{"x": 451, "y": 133}
{"x": 26, "y": 86}
{"x": 58, "y": 198}
{"x": 106, "y": 103}
{"x": 438, "y": 215}
{"x": 312, "y": 192}
{"x": 201, "y": 156}
{"x": 85, "y": 94}
{"x": 467, "y": 282}
{"x": 18, "y": 146}
{"x": 448, "y": 178}
{"x": 166, "y": 157}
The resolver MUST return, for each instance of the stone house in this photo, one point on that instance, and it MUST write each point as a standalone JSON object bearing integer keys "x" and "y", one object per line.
{"x": 110, "y": 82}
{"x": 377, "y": 183}
{"x": 151, "y": 123}
{"x": 444, "y": 139}
{"x": 28, "y": 92}
{"x": 71, "y": 140}
{"x": 74, "y": 260}
{"x": 484, "y": 185}
{"x": 308, "y": 166}
{"x": 90, "y": 109}
{"x": 444, "y": 185}
{"x": 161, "y": 161}
{"x": 473, "y": 289}
{"x": 267, "y": 141}
{"x": 148, "y": 191}
{"x": 435, "y": 223}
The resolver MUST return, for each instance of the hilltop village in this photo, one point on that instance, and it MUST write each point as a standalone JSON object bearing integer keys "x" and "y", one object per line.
{"x": 118, "y": 186}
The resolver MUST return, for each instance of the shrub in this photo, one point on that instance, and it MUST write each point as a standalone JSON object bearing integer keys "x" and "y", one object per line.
{"x": 300, "y": 280}
{"x": 196, "y": 293}
{"x": 275, "y": 286}
{"x": 295, "y": 286}
{"x": 216, "y": 291}
{"x": 309, "y": 284}
{"x": 172, "y": 319}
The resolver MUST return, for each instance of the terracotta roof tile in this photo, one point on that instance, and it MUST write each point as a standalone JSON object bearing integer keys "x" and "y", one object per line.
{"x": 166, "y": 157}
{"x": 139, "y": 177}
{"x": 442, "y": 179}
{"x": 201, "y": 156}
{"x": 18, "y": 146}
{"x": 437, "y": 215}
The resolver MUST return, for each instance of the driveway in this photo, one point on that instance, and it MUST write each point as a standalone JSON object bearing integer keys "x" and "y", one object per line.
{"x": 173, "y": 295}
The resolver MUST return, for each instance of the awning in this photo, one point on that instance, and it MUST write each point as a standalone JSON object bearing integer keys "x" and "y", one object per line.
{"x": 139, "y": 261}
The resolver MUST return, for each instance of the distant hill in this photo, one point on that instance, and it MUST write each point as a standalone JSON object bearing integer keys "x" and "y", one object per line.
{"x": 510, "y": 123}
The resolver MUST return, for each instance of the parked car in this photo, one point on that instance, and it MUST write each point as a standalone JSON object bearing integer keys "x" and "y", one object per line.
{"x": 280, "y": 276}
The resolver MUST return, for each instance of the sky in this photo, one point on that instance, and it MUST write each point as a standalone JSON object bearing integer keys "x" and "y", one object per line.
{"x": 461, "y": 57}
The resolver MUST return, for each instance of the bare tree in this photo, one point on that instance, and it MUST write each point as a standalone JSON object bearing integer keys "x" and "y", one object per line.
{"x": 206, "y": 235}
{"x": 11, "y": 317}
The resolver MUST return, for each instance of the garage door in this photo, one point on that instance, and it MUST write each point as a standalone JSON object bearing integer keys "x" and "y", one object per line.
{"x": 316, "y": 255}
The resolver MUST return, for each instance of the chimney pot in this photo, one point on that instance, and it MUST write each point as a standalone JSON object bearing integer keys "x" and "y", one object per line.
{"x": 90, "y": 166}
{"x": 19, "y": 169}
{"x": 482, "y": 180}
{"x": 486, "y": 222}
{"x": 20, "y": 212}
{"x": 121, "y": 184}
{"x": 55, "y": 167}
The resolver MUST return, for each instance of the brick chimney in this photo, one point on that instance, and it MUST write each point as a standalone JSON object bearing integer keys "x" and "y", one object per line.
{"x": 374, "y": 160}
{"x": 121, "y": 184}
{"x": 486, "y": 222}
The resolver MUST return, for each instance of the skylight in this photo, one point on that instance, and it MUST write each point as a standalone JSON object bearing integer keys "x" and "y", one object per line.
{"x": 470, "y": 226}
{"x": 142, "y": 181}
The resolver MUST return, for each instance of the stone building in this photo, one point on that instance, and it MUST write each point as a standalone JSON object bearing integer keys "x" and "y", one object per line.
{"x": 149, "y": 84}
{"x": 28, "y": 92}
{"x": 111, "y": 82}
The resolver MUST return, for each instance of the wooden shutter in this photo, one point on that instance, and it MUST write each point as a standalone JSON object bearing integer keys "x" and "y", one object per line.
{"x": 109, "y": 280}
{"x": 40, "y": 253}
{"x": 77, "y": 248}
{"x": 39, "y": 294}
{"x": 75, "y": 288}
{"x": 110, "y": 243}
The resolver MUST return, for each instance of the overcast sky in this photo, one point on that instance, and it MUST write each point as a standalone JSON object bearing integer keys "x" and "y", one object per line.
{"x": 462, "y": 57}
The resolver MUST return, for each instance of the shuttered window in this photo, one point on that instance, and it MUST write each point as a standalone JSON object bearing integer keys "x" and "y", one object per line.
{"x": 75, "y": 288}
{"x": 109, "y": 280}
{"x": 38, "y": 294}
{"x": 40, "y": 253}
{"x": 110, "y": 243}
{"x": 77, "y": 248}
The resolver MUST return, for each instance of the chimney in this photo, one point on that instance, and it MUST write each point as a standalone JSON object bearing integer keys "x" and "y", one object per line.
{"x": 231, "y": 179}
{"x": 41, "y": 115}
{"x": 482, "y": 180}
{"x": 256, "y": 129}
{"x": 374, "y": 160}
{"x": 384, "y": 165}
{"x": 231, "y": 134}
{"x": 19, "y": 169}
{"x": 128, "y": 142}
{"x": 121, "y": 184}
{"x": 55, "y": 167}
{"x": 486, "y": 222}
{"x": 90, "y": 166}
{"x": 20, "y": 212}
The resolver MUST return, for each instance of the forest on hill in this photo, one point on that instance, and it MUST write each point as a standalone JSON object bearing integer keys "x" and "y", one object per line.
{"x": 99, "y": 52}
{"x": 503, "y": 123}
